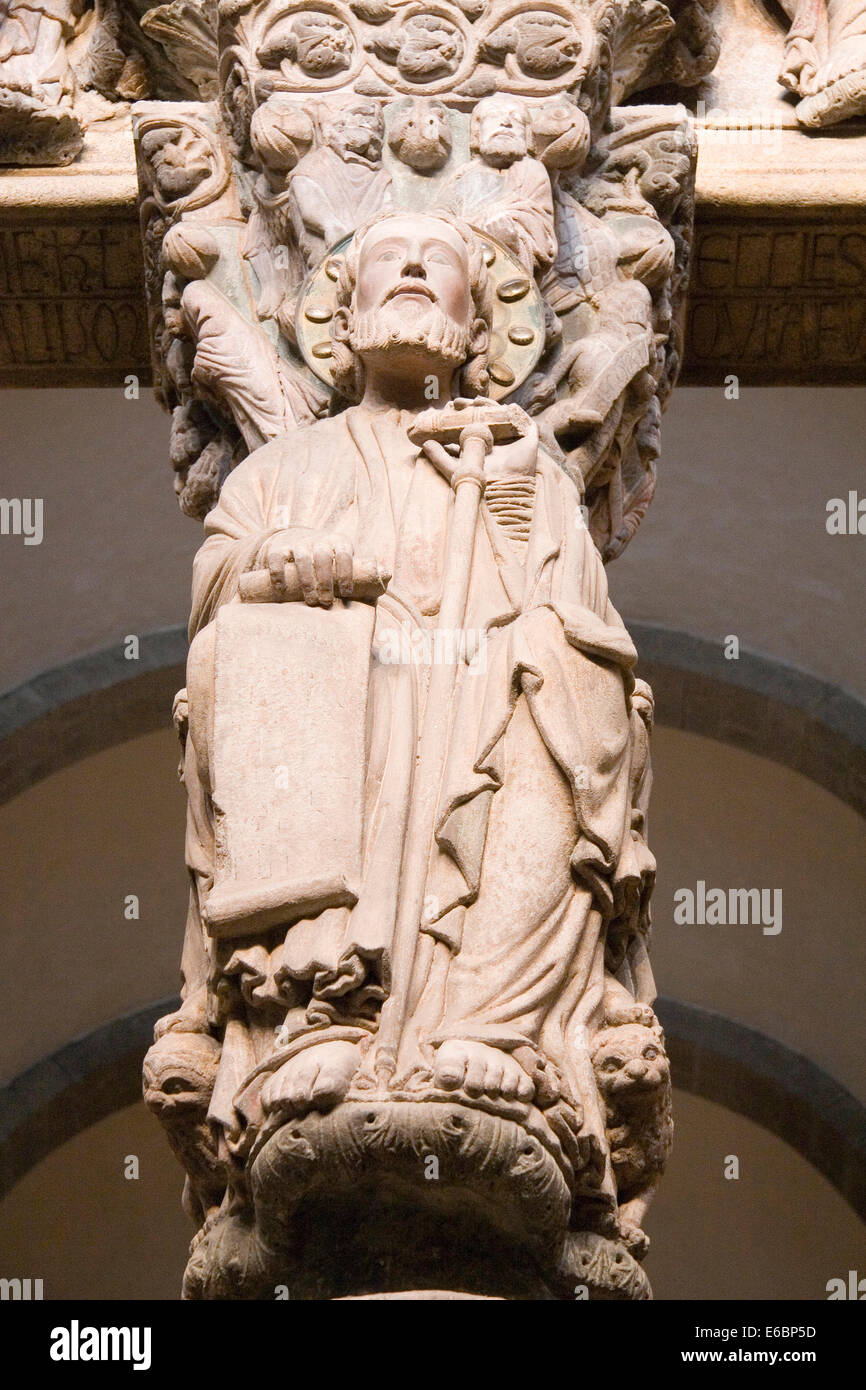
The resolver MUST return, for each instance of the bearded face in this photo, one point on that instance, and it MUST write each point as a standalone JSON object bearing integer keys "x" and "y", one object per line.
{"x": 393, "y": 329}
{"x": 413, "y": 291}
{"x": 414, "y": 303}
{"x": 501, "y": 132}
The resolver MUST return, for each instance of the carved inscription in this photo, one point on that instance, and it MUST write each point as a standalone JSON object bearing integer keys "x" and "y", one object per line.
{"x": 781, "y": 302}
{"x": 71, "y": 297}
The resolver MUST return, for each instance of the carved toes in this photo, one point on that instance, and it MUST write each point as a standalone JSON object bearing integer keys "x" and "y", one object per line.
{"x": 480, "y": 1070}
{"x": 315, "y": 1079}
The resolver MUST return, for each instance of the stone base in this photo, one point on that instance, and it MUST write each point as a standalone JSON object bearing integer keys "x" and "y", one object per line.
{"x": 398, "y": 1198}
{"x": 362, "y": 1182}
{"x": 378, "y": 1244}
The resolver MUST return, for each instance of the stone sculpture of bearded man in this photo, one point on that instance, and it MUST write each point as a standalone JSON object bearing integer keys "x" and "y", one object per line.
{"x": 535, "y": 873}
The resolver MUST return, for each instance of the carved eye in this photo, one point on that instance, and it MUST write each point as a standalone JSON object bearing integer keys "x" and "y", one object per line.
{"x": 439, "y": 258}
{"x": 611, "y": 1064}
{"x": 387, "y": 256}
{"x": 650, "y": 1052}
{"x": 175, "y": 1085}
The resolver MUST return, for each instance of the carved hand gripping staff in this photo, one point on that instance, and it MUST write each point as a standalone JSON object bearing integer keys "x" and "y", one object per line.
{"x": 415, "y": 284}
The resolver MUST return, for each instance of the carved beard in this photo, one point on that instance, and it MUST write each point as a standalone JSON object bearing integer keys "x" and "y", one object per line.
{"x": 382, "y": 331}
{"x": 503, "y": 149}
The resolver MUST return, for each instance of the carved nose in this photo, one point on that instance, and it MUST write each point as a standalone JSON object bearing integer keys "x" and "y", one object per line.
{"x": 635, "y": 1070}
{"x": 413, "y": 268}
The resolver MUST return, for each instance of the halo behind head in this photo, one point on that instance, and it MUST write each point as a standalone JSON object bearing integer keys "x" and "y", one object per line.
{"x": 513, "y": 309}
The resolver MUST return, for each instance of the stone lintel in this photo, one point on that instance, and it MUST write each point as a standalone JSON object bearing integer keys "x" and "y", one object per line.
{"x": 778, "y": 285}
{"x": 778, "y": 294}
{"x": 72, "y": 310}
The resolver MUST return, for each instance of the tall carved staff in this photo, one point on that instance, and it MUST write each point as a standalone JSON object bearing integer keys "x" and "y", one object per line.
{"x": 476, "y": 429}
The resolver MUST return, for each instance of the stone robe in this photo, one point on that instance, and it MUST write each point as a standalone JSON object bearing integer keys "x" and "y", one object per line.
{"x": 533, "y": 853}
{"x": 521, "y": 192}
{"x": 330, "y": 195}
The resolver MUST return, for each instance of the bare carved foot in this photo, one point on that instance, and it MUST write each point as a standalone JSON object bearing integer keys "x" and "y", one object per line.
{"x": 480, "y": 1070}
{"x": 315, "y": 1079}
{"x": 636, "y": 1241}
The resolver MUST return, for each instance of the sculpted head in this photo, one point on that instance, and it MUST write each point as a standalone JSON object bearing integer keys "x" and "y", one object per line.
{"x": 629, "y": 1059}
{"x": 180, "y": 159}
{"x": 420, "y": 136}
{"x": 412, "y": 292}
{"x": 281, "y": 132}
{"x": 500, "y": 130}
{"x": 357, "y": 127}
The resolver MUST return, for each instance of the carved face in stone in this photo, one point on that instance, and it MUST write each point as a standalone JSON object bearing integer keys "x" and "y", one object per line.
{"x": 180, "y": 160}
{"x": 500, "y": 131}
{"x": 413, "y": 286}
{"x": 421, "y": 136}
{"x": 357, "y": 128}
{"x": 413, "y": 289}
{"x": 629, "y": 1059}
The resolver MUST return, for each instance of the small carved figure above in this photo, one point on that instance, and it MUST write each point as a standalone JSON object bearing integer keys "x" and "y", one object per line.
{"x": 420, "y": 136}
{"x": 503, "y": 190}
{"x": 342, "y": 180}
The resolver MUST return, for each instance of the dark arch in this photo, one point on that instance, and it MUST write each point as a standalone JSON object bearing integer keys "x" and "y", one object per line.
{"x": 755, "y": 703}
{"x": 711, "y": 1056}
{"x": 86, "y": 705}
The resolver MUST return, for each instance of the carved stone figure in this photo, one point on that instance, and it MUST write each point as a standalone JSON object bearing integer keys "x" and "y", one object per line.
{"x": 421, "y": 135}
{"x": 503, "y": 190}
{"x": 281, "y": 133}
{"x": 37, "y": 124}
{"x": 342, "y": 181}
{"x": 633, "y": 1076}
{"x": 416, "y": 352}
{"x": 825, "y": 59}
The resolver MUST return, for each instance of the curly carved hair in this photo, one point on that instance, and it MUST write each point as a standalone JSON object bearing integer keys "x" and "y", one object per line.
{"x": 346, "y": 368}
